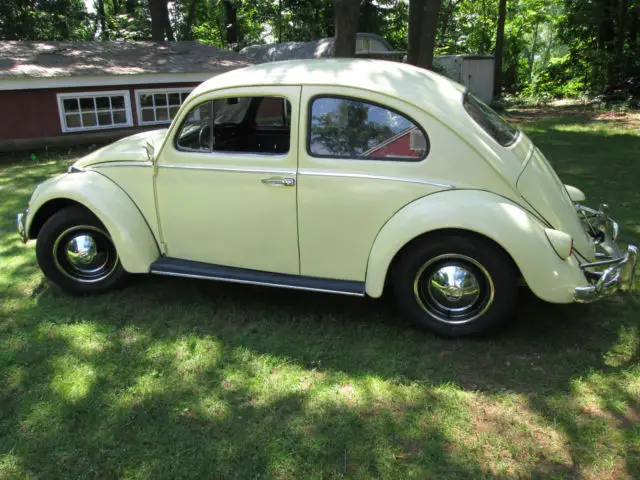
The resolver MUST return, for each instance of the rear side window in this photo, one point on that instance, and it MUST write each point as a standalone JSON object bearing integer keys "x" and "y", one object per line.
{"x": 500, "y": 130}
{"x": 349, "y": 128}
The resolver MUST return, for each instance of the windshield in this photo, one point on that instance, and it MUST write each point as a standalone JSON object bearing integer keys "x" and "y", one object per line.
{"x": 492, "y": 123}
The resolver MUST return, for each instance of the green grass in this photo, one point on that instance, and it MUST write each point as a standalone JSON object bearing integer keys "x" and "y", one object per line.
{"x": 177, "y": 378}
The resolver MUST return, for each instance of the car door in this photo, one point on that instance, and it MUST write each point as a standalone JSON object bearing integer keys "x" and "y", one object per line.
{"x": 362, "y": 157}
{"x": 226, "y": 180}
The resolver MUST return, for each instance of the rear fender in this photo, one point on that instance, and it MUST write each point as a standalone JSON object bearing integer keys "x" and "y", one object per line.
{"x": 136, "y": 245}
{"x": 517, "y": 231}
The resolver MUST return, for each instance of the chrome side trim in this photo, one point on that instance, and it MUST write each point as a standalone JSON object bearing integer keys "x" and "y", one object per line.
{"x": 373, "y": 177}
{"x": 121, "y": 164}
{"x": 274, "y": 171}
{"x": 251, "y": 282}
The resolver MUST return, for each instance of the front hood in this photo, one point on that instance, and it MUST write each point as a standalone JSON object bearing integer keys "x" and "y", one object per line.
{"x": 541, "y": 187}
{"x": 128, "y": 149}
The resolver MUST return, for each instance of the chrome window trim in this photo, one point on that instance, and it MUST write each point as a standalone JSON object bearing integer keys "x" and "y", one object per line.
{"x": 122, "y": 164}
{"x": 373, "y": 177}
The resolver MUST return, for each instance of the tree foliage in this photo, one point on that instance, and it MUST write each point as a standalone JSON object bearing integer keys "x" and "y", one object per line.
{"x": 549, "y": 47}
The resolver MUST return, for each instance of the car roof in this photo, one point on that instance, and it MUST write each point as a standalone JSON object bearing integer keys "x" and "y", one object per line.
{"x": 423, "y": 88}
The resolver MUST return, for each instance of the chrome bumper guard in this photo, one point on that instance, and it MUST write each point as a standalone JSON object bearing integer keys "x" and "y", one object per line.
{"x": 21, "y": 220}
{"x": 615, "y": 270}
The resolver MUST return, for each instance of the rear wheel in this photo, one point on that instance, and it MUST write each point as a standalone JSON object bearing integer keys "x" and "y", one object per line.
{"x": 75, "y": 251}
{"x": 456, "y": 285}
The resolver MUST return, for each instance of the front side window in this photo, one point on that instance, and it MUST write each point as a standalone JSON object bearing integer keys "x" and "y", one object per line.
{"x": 238, "y": 124}
{"x": 94, "y": 110}
{"x": 500, "y": 130}
{"x": 160, "y": 105}
{"x": 349, "y": 128}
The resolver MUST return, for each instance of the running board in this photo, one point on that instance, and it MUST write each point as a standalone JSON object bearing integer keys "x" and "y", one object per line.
{"x": 186, "y": 268}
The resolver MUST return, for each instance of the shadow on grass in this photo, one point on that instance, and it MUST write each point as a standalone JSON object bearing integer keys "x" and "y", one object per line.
{"x": 181, "y": 378}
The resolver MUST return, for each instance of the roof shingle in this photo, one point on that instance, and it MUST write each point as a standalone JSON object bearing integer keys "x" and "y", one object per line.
{"x": 66, "y": 59}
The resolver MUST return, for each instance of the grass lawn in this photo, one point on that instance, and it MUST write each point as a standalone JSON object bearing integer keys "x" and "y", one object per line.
{"x": 179, "y": 378}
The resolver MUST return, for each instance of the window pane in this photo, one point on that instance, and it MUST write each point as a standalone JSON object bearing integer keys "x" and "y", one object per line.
{"x": 183, "y": 97}
{"x": 348, "y": 128}
{"x": 103, "y": 103}
{"x": 71, "y": 105}
{"x": 120, "y": 118}
{"x": 148, "y": 115}
{"x": 73, "y": 121}
{"x": 146, "y": 100}
{"x": 87, "y": 104}
{"x": 231, "y": 110}
{"x": 117, "y": 102}
{"x": 104, "y": 118}
{"x": 161, "y": 99}
{"x": 271, "y": 113}
{"x": 172, "y": 112}
{"x": 492, "y": 123}
{"x": 88, "y": 120}
{"x": 174, "y": 99}
{"x": 162, "y": 114}
{"x": 195, "y": 132}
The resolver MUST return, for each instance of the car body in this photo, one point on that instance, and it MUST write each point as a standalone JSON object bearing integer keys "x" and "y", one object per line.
{"x": 345, "y": 176}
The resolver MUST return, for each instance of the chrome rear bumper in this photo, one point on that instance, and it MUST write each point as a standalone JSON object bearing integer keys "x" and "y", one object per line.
{"x": 615, "y": 269}
{"x": 618, "y": 273}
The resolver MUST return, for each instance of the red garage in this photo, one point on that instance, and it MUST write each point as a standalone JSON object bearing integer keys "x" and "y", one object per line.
{"x": 54, "y": 93}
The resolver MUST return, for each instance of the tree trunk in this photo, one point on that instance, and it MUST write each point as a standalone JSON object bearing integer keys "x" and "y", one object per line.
{"x": 623, "y": 13}
{"x": 116, "y": 7}
{"x": 430, "y": 14}
{"x": 415, "y": 24}
{"x": 158, "y": 22}
{"x": 231, "y": 20}
{"x": 167, "y": 23}
{"x": 444, "y": 28}
{"x": 532, "y": 56}
{"x": 130, "y": 5}
{"x": 103, "y": 19}
{"x": 345, "y": 17}
{"x": 187, "y": 34}
{"x": 497, "y": 72}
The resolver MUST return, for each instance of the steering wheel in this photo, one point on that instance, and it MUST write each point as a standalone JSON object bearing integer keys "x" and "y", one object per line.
{"x": 204, "y": 137}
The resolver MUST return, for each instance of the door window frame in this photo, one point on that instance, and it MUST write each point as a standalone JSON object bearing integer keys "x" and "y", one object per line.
{"x": 360, "y": 159}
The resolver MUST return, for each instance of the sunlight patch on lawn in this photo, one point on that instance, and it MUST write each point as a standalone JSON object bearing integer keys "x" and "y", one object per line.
{"x": 72, "y": 379}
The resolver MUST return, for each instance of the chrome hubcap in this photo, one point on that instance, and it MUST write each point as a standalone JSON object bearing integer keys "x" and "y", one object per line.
{"x": 85, "y": 254}
{"x": 453, "y": 288}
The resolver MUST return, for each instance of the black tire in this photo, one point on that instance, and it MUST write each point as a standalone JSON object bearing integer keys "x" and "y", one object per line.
{"x": 482, "y": 297}
{"x": 75, "y": 251}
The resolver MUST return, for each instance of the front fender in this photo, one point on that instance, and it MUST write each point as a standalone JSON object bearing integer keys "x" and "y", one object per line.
{"x": 517, "y": 231}
{"x": 136, "y": 246}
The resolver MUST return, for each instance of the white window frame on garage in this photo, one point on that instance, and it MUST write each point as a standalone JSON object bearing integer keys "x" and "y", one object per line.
{"x": 153, "y": 92}
{"x": 96, "y": 94}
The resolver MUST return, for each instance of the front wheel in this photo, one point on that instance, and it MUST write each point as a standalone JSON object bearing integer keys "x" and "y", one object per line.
{"x": 456, "y": 285}
{"x": 75, "y": 251}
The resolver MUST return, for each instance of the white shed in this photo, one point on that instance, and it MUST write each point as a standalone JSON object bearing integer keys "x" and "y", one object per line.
{"x": 473, "y": 71}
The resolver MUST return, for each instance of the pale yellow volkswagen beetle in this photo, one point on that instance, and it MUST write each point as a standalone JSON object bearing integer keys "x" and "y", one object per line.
{"x": 342, "y": 176}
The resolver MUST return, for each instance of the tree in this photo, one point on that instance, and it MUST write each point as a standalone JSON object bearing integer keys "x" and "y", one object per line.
{"x": 160, "y": 23}
{"x": 497, "y": 73}
{"x": 423, "y": 25}
{"x": 346, "y": 26}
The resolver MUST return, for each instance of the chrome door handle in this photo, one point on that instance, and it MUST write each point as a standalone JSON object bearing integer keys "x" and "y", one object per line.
{"x": 279, "y": 181}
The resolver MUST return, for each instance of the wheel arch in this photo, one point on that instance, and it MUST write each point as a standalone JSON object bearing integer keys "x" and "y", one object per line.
{"x": 426, "y": 236}
{"x": 485, "y": 215}
{"x": 47, "y": 210}
{"x": 105, "y": 200}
